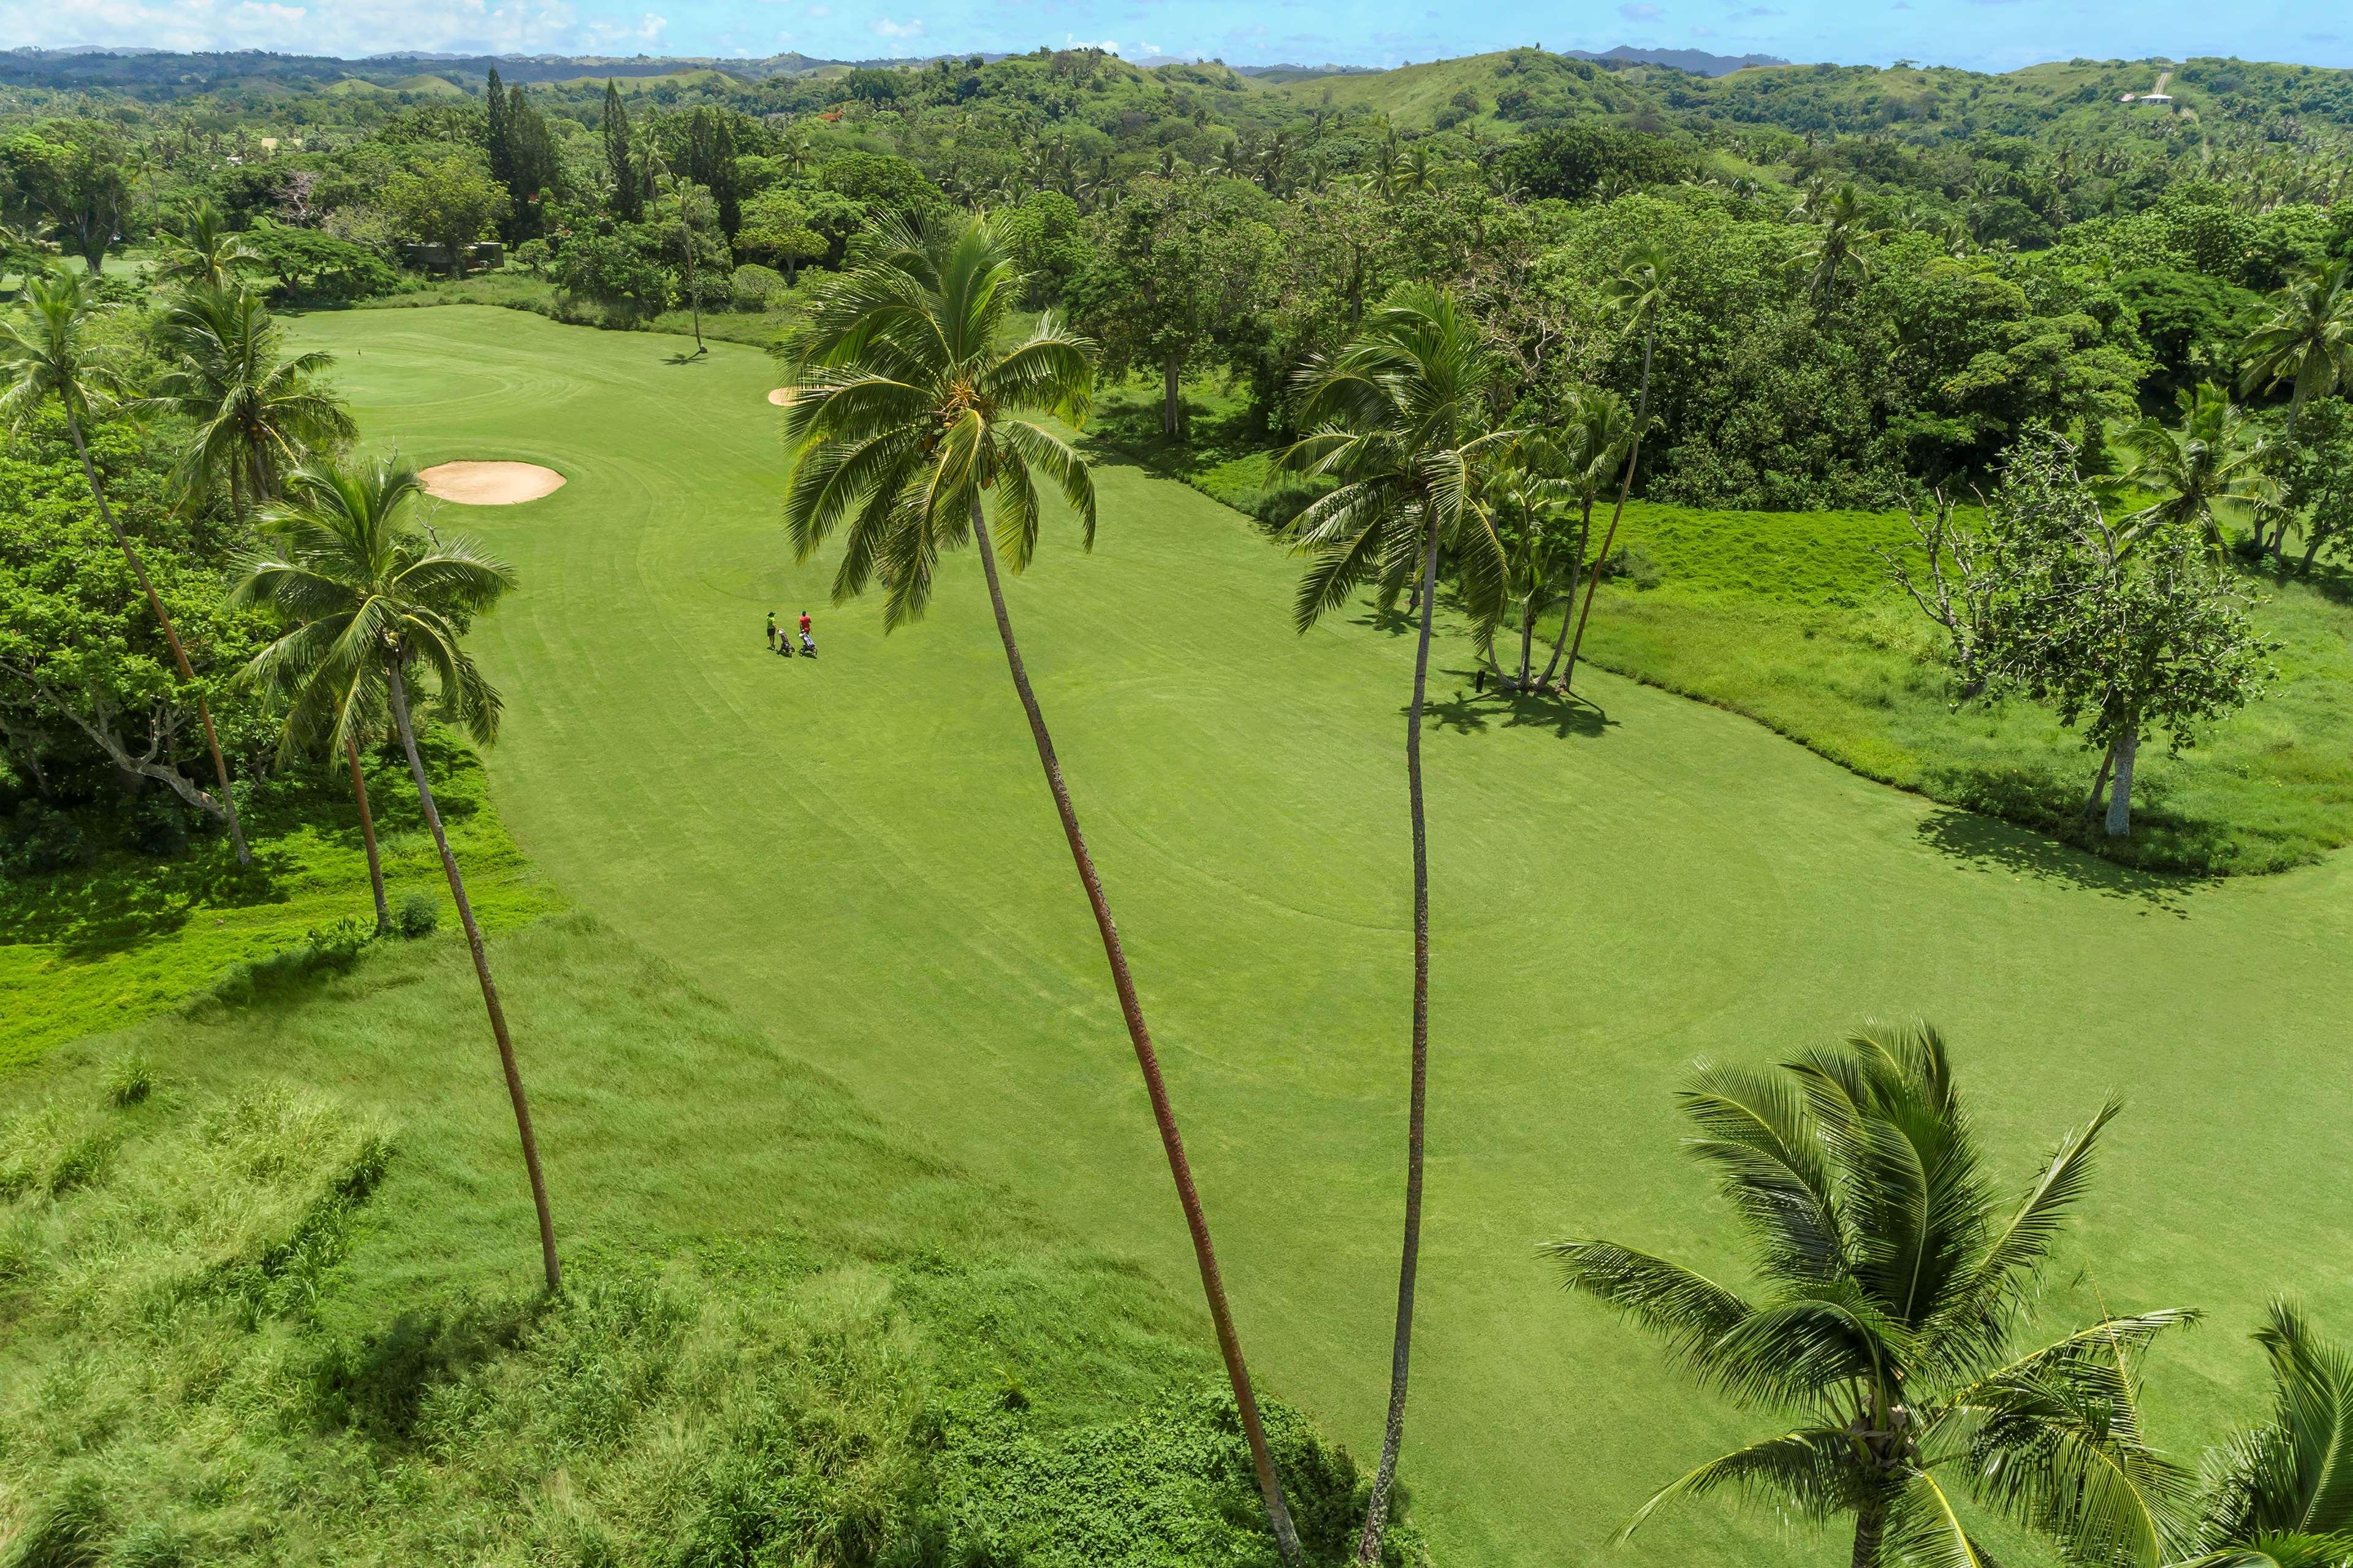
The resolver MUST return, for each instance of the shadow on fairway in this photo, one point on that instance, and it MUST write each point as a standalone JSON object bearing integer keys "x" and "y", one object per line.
{"x": 1988, "y": 844}
{"x": 1468, "y": 711}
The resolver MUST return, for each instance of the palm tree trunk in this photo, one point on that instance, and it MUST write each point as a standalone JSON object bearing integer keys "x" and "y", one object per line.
{"x": 1575, "y": 580}
{"x": 1527, "y": 639}
{"x": 1369, "y": 1546}
{"x": 399, "y": 692}
{"x": 1172, "y": 1142}
{"x": 1625, "y": 487}
{"x": 171, "y": 634}
{"x": 368, "y": 837}
{"x": 1869, "y": 1529}
{"x": 2119, "y": 823}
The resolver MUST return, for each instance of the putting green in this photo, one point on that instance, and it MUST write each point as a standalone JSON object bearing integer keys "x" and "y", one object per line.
{"x": 859, "y": 851}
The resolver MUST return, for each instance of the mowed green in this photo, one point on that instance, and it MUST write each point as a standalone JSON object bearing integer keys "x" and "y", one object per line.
{"x": 857, "y": 850}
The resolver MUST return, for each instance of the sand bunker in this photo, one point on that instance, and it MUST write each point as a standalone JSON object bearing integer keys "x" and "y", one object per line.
{"x": 489, "y": 483}
{"x": 782, "y": 397}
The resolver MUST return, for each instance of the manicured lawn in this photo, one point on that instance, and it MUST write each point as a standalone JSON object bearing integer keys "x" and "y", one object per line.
{"x": 856, "y": 851}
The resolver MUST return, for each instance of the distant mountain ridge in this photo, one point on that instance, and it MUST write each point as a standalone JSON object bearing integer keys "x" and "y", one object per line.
{"x": 1699, "y": 62}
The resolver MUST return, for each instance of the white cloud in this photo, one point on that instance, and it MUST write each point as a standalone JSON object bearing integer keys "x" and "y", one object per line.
{"x": 820, "y": 12}
{"x": 1643, "y": 12}
{"x": 1108, "y": 46}
{"x": 487, "y": 27}
{"x": 885, "y": 28}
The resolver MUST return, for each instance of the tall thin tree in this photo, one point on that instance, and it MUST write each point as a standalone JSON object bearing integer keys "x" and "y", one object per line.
{"x": 257, "y": 411}
{"x": 51, "y": 354}
{"x": 1636, "y": 295}
{"x": 1399, "y": 418}
{"x": 374, "y": 599}
{"x": 907, "y": 411}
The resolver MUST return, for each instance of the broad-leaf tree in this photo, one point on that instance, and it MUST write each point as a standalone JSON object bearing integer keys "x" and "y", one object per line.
{"x": 1889, "y": 1281}
{"x": 916, "y": 428}
{"x": 377, "y": 602}
{"x": 51, "y": 354}
{"x": 1400, "y": 420}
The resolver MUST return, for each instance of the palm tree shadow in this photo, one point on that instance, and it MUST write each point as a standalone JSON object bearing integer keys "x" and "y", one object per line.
{"x": 1471, "y": 712}
{"x": 1989, "y": 844}
{"x": 688, "y": 356}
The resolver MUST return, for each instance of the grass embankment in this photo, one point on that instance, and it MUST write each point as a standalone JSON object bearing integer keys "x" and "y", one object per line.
{"x": 266, "y": 1296}
{"x": 515, "y": 290}
{"x": 131, "y": 935}
{"x": 1791, "y": 619}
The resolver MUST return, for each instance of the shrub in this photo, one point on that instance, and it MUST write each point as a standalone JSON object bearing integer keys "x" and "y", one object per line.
{"x": 131, "y": 1080}
{"x": 324, "y": 949}
{"x": 417, "y": 916}
{"x": 160, "y": 826}
{"x": 753, "y": 286}
{"x": 68, "y": 1528}
{"x": 42, "y": 841}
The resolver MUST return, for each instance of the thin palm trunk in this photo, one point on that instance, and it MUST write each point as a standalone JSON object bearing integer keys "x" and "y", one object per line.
{"x": 1179, "y": 1169}
{"x": 1869, "y": 1529}
{"x": 1576, "y": 581}
{"x": 171, "y": 634}
{"x": 399, "y": 692}
{"x": 1369, "y": 1547}
{"x": 1527, "y": 638}
{"x": 368, "y": 837}
{"x": 1625, "y": 487}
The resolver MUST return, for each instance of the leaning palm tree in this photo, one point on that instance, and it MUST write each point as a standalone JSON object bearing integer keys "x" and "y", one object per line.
{"x": 51, "y": 354}
{"x": 258, "y": 412}
{"x": 1892, "y": 1282}
{"x": 2278, "y": 1496}
{"x": 205, "y": 251}
{"x": 1833, "y": 258}
{"x": 1635, "y": 296}
{"x": 1595, "y": 433}
{"x": 1532, "y": 495}
{"x": 907, "y": 411}
{"x": 374, "y": 600}
{"x": 2216, "y": 458}
{"x": 2305, "y": 342}
{"x": 1399, "y": 419}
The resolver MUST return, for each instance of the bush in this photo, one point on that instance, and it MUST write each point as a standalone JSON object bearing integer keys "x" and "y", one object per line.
{"x": 1284, "y": 499}
{"x": 159, "y": 827}
{"x": 324, "y": 950}
{"x": 754, "y": 286}
{"x": 68, "y": 1528}
{"x": 41, "y": 841}
{"x": 417, "y": 916}
{"x": 131, "y": 1080}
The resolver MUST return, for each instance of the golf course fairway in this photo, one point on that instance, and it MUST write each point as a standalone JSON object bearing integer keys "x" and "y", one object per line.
{"x": 857, "y": 851}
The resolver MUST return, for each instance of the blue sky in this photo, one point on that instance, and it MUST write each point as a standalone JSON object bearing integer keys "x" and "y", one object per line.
{"x": 1990, "y": 35}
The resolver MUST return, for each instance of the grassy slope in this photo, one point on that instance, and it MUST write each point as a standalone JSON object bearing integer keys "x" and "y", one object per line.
{"x": 1790, "y": 618}
{"x": 223, "y": 1332}
{"x": 857, "y": 852}
{"x": 104, "y": 947}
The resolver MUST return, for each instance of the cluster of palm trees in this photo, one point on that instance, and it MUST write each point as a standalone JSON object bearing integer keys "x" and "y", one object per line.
{"x": 368, "y": 599}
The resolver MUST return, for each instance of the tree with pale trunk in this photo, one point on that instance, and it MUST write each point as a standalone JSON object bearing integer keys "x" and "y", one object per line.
{"x": 1400, "y": 420}
{"x": 52, "y": 353}
{"x": 379, "y": 606}
{"x": 1890, "y": 1282}
{"x": 2124, "y": 629}
{"x": 916, "y": 428}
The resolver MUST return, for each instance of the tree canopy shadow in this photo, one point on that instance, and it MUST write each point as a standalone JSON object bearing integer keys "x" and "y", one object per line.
{"x": 1988, "y": 843}
{"x": 1468, "y": 711}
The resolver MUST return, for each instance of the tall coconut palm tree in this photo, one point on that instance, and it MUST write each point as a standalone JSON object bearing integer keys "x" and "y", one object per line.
{"x": 1635, "y": 295}
{"x": 2278, "y": 1495}
{"x": 258, "y": 412}
{"x": 376, "y": 600}
{"x": 1531, "y": 495}
{"x": 50, "y": 354}
{"x": 1401, "y": 420}
{"x": 907, "y": 411}
{"x": 2215, "y": 458}
{"x": 204, "y": 252}
{"x": 1594, "y": 437}
{"x": 2307, "y": 340}
{"x": 1890, "y": 1283}
{"x": 1834, "y": 259}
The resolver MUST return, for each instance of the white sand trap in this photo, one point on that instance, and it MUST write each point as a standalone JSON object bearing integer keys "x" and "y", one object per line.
{"x": 489, "y": 483}
{"x": 782, "y": 397}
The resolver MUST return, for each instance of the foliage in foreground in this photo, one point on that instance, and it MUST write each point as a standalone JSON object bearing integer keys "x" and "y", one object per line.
{"x": 207, "y": 1365}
